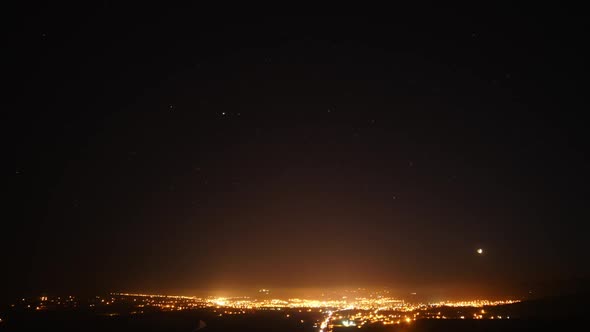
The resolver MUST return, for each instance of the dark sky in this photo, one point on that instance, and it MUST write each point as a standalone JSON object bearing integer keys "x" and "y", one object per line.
{"x": 169, "y": 149}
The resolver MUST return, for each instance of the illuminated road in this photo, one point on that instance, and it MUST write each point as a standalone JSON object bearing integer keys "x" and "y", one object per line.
{"x": 325, "y": 323}
{"x": 325, "y": 326}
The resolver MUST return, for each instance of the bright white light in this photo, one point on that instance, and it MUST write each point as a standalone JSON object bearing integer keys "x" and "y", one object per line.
{"x": 480, "y": 251}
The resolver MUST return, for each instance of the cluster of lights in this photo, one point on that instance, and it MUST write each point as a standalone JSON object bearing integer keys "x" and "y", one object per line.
{"x": 381, "y": 303}
{"x": 473, "y": 303}
{"x": 349, "y": 318}
{"x": 354, "y": 310}
{"x": 178, "y": 297}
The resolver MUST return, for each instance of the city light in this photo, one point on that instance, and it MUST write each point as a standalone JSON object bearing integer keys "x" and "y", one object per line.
{"x": 355, "y": 309}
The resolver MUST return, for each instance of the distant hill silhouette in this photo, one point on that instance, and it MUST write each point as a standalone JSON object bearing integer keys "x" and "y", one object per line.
{"x": 572, "y": 306}
{"x": 555, "y": 287}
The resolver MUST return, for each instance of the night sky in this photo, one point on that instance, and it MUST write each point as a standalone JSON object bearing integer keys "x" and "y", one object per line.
{"x": 176, "y": 149}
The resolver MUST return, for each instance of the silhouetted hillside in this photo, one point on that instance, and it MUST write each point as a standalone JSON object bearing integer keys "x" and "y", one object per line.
{"x": 554, "y": 307}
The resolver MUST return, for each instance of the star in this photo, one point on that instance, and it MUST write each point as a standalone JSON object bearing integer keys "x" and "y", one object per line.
{"x": 479, "y": 251}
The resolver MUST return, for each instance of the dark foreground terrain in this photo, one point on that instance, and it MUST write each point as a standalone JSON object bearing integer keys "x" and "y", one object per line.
{"x": 188, "y": 321}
